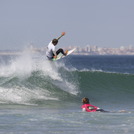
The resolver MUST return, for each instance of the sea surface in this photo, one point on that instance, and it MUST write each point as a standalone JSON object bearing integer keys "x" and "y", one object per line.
{"x": 38, "y": 96}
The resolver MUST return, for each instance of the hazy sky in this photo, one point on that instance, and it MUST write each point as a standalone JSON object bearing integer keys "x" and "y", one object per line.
{"x": 105, "y": 23}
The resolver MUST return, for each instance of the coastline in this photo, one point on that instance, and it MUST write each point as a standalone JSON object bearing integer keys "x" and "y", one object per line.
{"x": 10, "y": 53}
{"x": 75, "y": 53}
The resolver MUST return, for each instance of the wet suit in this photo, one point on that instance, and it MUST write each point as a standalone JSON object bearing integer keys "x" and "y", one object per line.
{"x": 91, "y": 108}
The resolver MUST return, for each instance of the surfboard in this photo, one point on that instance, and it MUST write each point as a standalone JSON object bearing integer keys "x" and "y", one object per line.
{"x": 60, "y": 55}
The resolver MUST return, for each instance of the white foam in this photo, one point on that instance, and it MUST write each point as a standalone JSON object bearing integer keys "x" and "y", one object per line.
{"x": 49, "y": 69}
{"x": 72, "y": 88}
{"x": 21, "y": 66}
{"x": 25, "y": 64}
{"x": 23, "y": 95}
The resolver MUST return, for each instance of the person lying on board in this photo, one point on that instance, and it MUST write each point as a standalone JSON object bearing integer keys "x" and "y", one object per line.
{"x": 88, "y": 107}
{"x": 51, "y": 53}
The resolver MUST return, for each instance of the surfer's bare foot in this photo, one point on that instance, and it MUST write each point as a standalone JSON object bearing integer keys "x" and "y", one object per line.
{"x": 66, "y": 52}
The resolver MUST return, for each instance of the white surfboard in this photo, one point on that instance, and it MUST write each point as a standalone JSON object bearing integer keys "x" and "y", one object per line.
{"x": 60, "y": 55}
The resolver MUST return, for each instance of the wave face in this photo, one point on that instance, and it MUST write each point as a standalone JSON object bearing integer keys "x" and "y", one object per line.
{"x": 33, "y": 80}
{"x": 107, "y": 88}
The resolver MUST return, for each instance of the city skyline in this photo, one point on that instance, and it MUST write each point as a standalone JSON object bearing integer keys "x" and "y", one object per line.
{"x": 104, "y": 23}
{"x": 85, "y": 50}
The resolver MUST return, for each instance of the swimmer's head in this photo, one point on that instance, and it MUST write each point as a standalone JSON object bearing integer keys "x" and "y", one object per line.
{"x": 85, "y": 100}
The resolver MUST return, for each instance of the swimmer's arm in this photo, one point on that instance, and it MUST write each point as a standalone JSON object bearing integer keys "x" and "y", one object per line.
{"x": 83, "y": 109}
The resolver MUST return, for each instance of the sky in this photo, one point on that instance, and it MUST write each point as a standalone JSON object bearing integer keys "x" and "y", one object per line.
{"x": 104, "y": 23}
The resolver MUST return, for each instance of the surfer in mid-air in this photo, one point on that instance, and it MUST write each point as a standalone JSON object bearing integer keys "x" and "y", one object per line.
{"x": 88, "y": 107}
{"x": 51, "y": 53}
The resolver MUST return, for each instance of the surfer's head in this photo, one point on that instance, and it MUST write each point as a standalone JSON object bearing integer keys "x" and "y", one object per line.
{"x": 85, "y": 100}
{"x": 54, "y": 41}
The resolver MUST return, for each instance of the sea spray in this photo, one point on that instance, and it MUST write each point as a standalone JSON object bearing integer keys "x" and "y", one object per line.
{"x": 30, "y": 79}
{"x": 21, "y": 65}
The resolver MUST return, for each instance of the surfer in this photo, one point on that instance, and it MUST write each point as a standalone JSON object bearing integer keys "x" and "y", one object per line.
{"x": 51, "y": 53}
{"x": 88, "y": 107}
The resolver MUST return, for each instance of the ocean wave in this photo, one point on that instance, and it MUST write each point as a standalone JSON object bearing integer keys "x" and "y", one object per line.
{"x": 96, "y": 70}
{"x": 28, "y": 80}
{"x": 33, "y": 81}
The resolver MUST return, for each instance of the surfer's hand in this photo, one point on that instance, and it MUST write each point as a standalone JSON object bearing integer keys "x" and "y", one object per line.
{"x": 55, "y": 56}
{"x": 63, "y": 33}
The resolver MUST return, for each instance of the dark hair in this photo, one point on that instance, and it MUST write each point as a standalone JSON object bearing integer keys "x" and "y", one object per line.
{"x": 55, "y": 41}
{"x": 85, "y": 100}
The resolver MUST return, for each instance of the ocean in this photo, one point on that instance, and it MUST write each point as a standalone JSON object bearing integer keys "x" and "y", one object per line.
{"x": 38, "y": 96}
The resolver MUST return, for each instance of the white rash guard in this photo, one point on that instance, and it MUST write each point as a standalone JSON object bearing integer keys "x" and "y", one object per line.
{"x": 50, "y": 50}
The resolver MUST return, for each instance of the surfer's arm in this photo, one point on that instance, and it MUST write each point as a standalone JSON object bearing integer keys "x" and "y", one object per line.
{"x": 54, "y": 52}
{"x": 55, "y": 55}
{"x": 63, "y": 33}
